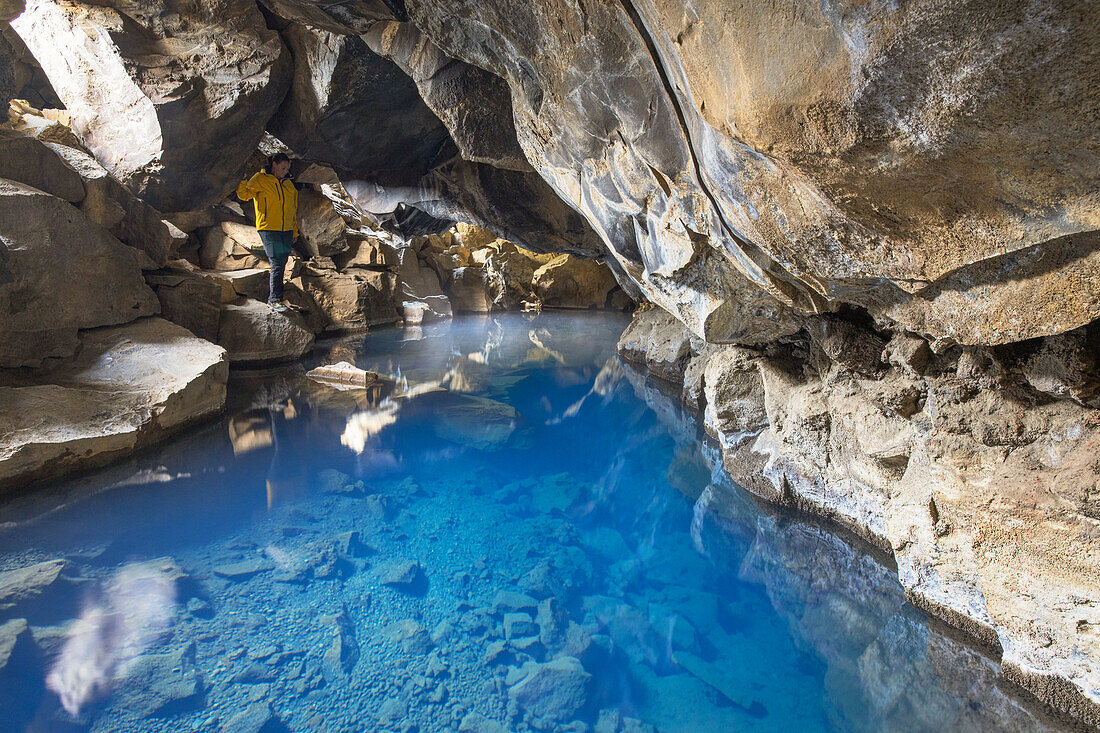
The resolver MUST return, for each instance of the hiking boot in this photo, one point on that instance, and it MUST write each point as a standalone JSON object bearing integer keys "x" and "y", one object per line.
{"x": 280, "y": 306}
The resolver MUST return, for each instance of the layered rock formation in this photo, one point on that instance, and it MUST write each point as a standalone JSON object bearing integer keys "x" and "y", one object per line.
{"x": 171, "y": 103}
{"x": 131, "y": 385}
{"x": 965, "y": 466}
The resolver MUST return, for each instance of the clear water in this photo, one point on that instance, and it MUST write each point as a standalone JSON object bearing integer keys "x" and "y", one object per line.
{"x": 529, "y": 498}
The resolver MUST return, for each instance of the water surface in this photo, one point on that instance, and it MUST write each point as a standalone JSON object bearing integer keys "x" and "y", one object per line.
{"x": 522, "y": 534}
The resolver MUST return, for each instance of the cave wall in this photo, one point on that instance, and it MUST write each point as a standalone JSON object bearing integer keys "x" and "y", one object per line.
{"x": 841, "y": 190}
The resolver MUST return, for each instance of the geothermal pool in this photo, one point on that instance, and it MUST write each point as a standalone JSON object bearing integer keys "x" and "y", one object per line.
{"x": 521, "y": 534}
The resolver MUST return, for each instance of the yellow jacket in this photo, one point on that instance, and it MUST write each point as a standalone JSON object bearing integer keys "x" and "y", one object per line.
{"x": 276, "y": 202}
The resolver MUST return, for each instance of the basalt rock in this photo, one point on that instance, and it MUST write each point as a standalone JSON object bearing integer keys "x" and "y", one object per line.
{"x": 111, "y": 205}
{"x": 129, "y": 386}
{"x": 357, "y": 111}
{"x": 252, "y": 332}
{"x": 159, "y": 96}
{"x": 471, "y": 102}
{"x": 25, "y": 159}
{"x": 60, "y": 272}
{"x": 976, "y": 483}
{"x": 353, "y": 299}
{"x": 570, "y": 282}
{"x": 231, "y": 246}
{"x": 738, "y": 190}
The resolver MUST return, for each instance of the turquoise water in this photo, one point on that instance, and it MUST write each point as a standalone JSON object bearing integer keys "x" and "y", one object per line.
{"x": 522, "y": 534}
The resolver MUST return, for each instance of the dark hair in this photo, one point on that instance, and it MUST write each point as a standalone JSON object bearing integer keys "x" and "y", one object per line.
{"x": 277, "y": 158}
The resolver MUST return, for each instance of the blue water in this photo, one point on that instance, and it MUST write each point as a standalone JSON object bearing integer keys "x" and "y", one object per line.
{"x": 524, "y": 534}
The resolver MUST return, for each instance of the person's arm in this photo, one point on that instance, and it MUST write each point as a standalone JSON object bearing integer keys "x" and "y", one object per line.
{"x": 294, "y": 223}
{"x": 248, "y": 189}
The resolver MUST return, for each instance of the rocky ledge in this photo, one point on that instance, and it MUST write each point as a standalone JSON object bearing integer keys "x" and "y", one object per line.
{"x": 975, "y": 467}
{"x": 129, "y": 386}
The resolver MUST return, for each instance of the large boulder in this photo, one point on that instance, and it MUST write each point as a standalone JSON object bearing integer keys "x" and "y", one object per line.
{"x": 659, "y": 341}
{"x": 190, "y": 300}
{"x": 570, "y": 282}
{"x": 252, "y": 332}
{"x": 322, "y": 229}
{"x": 231, "y": 246}
{"x": 353, "y": 299}
{"x": 114, "y": 207}
{"x": 554, "y": 691}
{"x": 172, "y": 104}
{"x": 60, "y": 272}
{"x": 130, "y": 385}
{"x": 25, "y": 159}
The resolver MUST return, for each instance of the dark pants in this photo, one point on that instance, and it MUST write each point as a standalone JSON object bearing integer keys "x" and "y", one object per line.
{"x": 277, "y": 245}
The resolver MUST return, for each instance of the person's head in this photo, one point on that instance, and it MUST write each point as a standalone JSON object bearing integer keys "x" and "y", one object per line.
{"x": 278, "y": 165}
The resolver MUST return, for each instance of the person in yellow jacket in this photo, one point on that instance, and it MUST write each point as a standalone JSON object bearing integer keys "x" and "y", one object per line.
{"x": 276, "y": 200}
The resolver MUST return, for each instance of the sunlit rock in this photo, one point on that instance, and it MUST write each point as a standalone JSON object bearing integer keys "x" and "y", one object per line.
{"x": 366, "y": 251}
{"x": 343, "y": 375}
{"x": 231, "y": 246}
{"x": 172, "y": 104}
{"x": 251, "y": 331}
{"x": 129, "y": 386}
{"x": 570, "y": 282}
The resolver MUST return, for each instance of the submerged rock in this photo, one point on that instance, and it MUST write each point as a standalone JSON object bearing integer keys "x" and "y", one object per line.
{"x": 406, "y": 576}
{"x": 411, "y": 635}
{"x": 478, "y": 723}
{"x": 256, "y": 718}
{"x": 21, "y": 682}
{"x": 554, "y": 691}
{"x": 22, "y": 587}
{"x": 478, "y": 422}
{"x": 244, "y": 569}
{"x": 159, "y": 685}
{"x": 342, "y": 652}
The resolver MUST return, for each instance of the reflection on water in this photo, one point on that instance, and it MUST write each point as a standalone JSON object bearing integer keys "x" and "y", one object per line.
{"x": 513, "y": 532}
{"x": 134, "y": 608}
